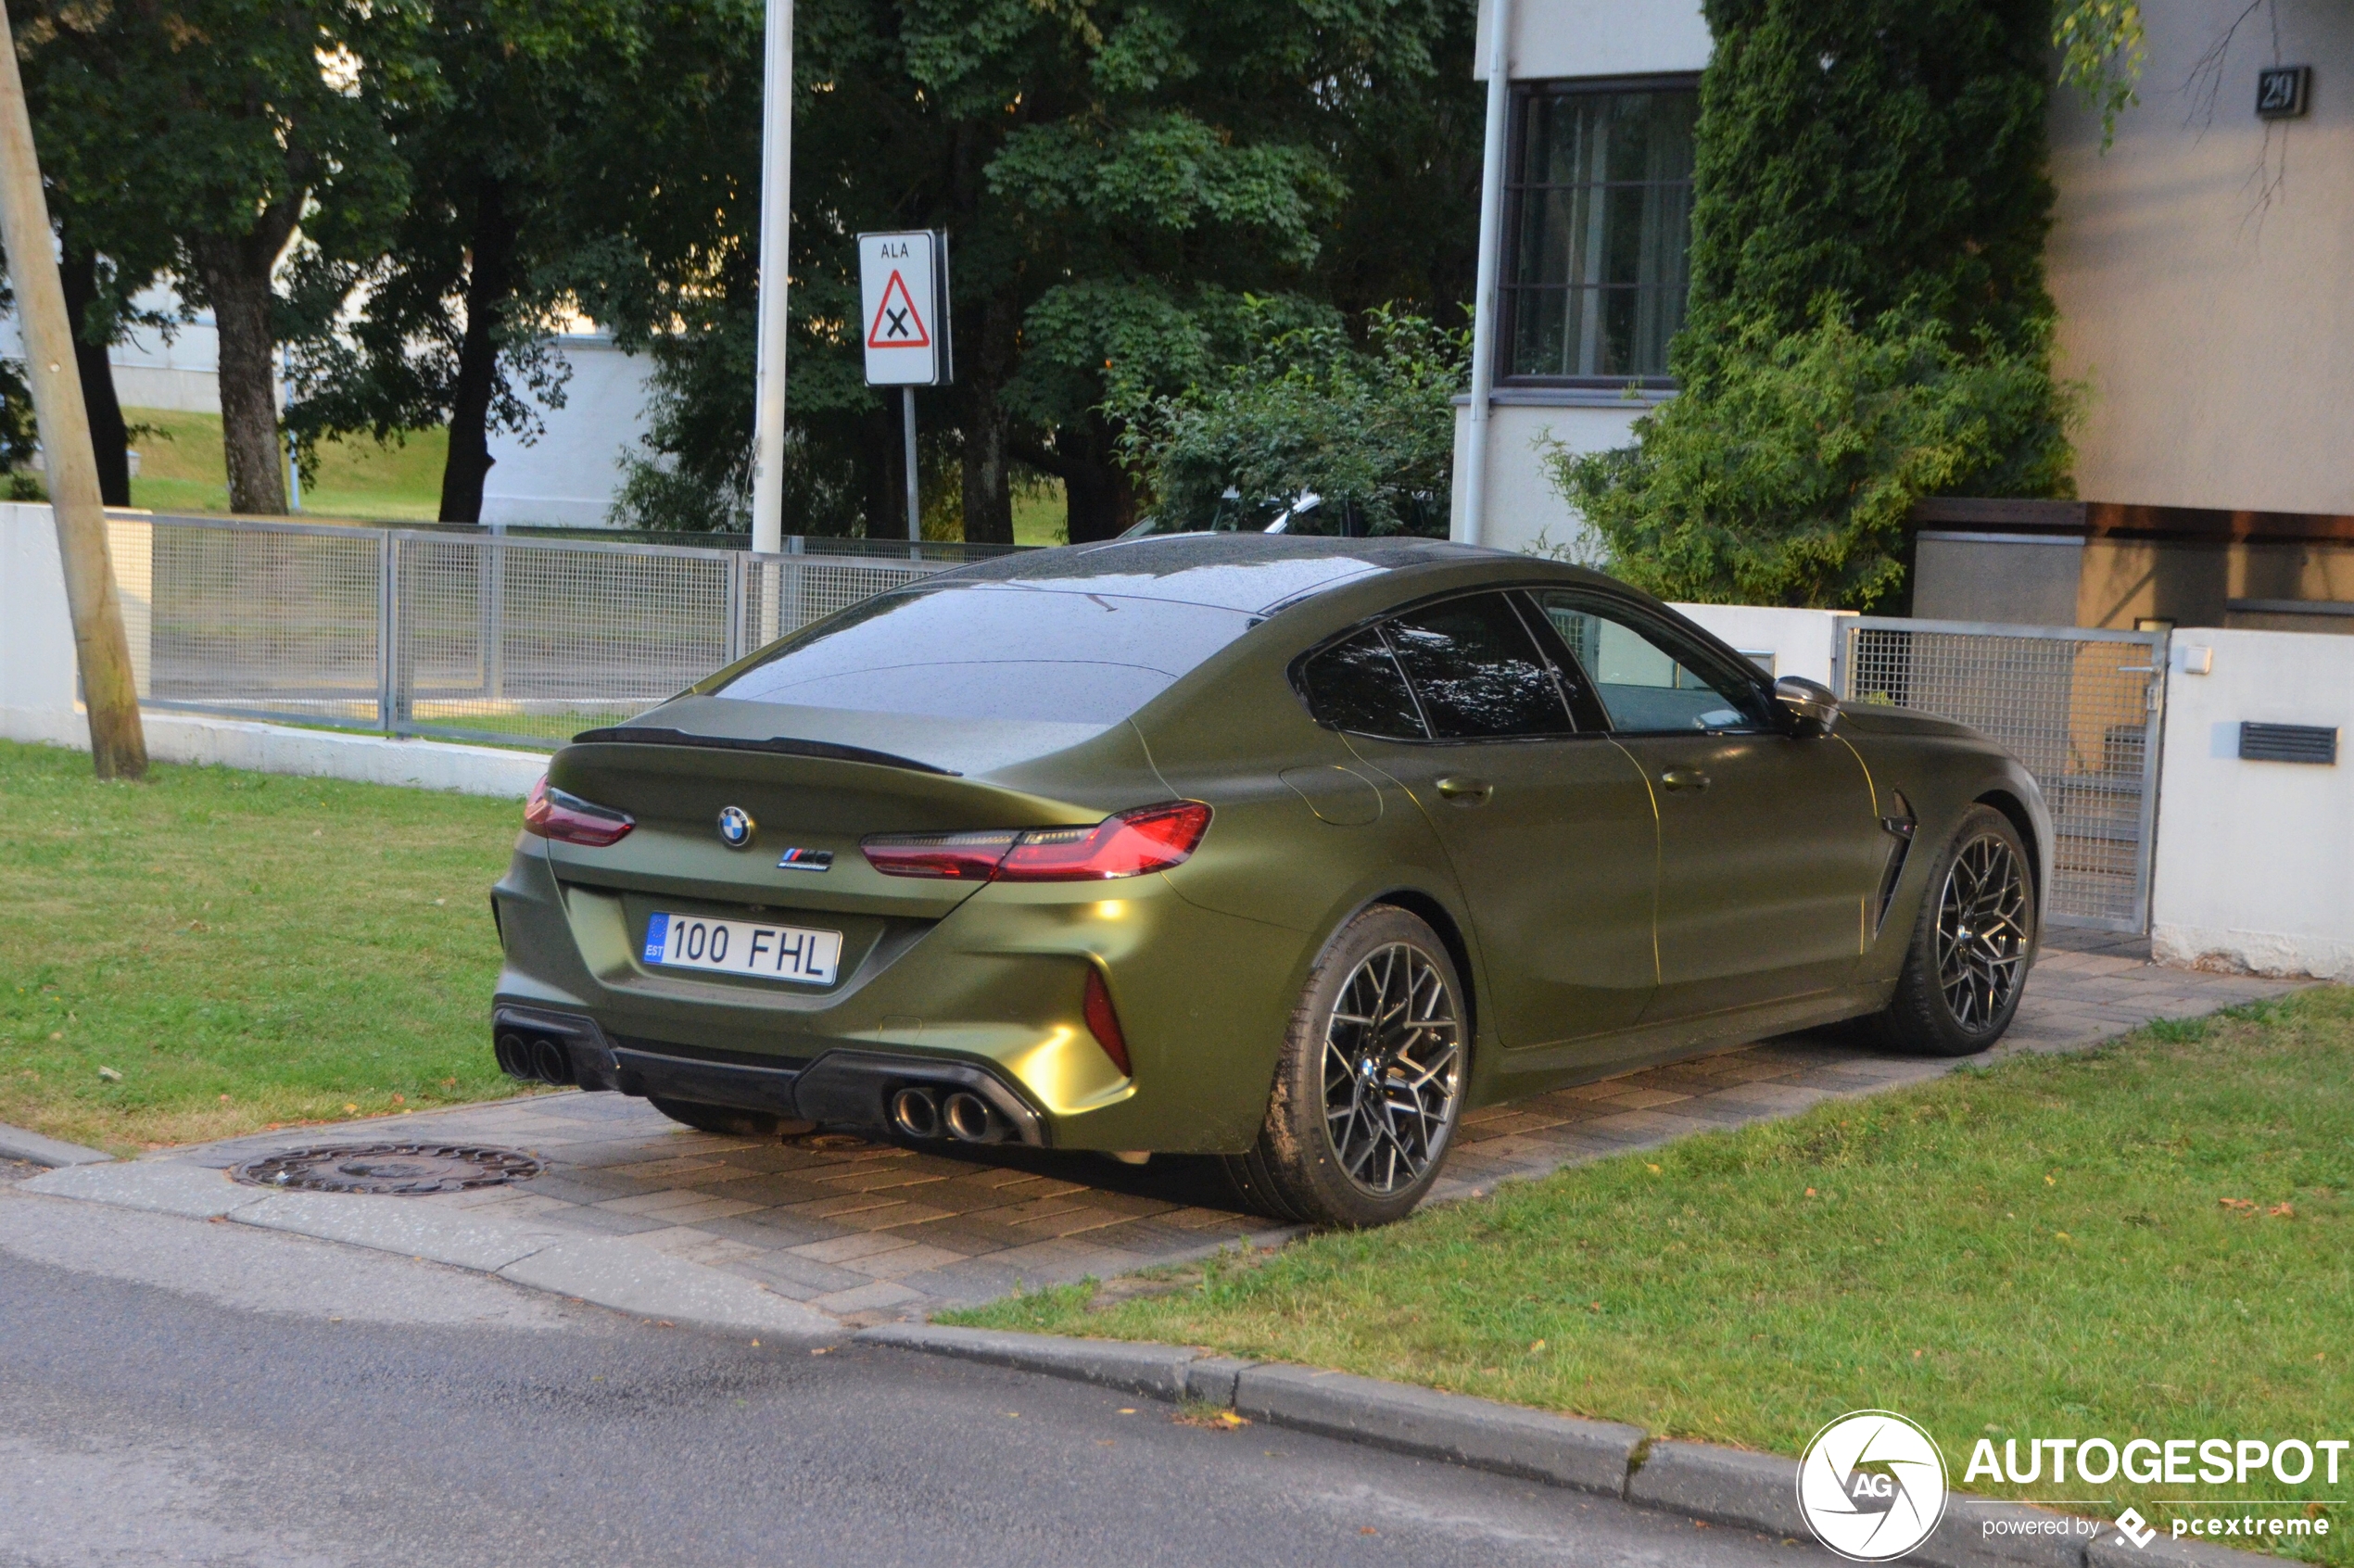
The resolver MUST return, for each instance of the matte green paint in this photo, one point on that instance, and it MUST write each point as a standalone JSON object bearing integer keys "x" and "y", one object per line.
{"x": 1600, "y": 919}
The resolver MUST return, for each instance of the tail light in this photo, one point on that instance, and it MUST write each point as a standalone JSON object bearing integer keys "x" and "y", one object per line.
{"x": 552, "y": 813}
{"x": 1104, "y": 1024}
{"x": 961, "y": 857}
{"x": 1148, "y": 839}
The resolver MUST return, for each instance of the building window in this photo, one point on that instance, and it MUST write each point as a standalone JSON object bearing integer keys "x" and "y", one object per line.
{"x": 1599, "y": 223}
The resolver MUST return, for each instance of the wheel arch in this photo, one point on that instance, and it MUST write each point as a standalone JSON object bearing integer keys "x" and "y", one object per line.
{"x": 1439, "y": 919}
{"x": 2015, "y": 809}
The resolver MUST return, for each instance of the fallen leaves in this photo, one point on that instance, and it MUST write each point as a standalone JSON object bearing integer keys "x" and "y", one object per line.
{"x": 1208, "y": 1419}
{"x": 2250, "y": 1207}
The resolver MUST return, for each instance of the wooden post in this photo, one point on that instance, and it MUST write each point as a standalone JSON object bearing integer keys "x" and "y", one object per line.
{"x": 118, "y": 743}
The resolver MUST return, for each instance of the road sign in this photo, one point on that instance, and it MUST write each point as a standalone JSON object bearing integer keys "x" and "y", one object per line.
{"x": 903, "y": 286}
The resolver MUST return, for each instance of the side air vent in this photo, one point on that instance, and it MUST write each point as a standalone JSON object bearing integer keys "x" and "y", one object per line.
{"x": 1899, "y": 825}
{"x": 2289, "y": 743}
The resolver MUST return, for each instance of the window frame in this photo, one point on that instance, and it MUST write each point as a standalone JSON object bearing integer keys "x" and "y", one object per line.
{"x": 1508, "y": 292}
{"x": 1572, "y": 686}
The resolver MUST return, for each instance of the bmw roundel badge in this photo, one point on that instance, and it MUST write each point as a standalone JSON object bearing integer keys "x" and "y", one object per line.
{"x": 735, "y": 827}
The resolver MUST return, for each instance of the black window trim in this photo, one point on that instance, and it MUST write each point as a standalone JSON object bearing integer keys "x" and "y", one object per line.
{"x": 1715, "y": 658}
{"x": 1548, "y": 645}
{"x": 1515, "y": 143}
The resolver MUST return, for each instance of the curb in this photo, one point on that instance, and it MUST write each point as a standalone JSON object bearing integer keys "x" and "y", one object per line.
{"x": 1731, "y": 1486}
{"x": 611, "y": 1271}
{"x": 17, "y": 1143}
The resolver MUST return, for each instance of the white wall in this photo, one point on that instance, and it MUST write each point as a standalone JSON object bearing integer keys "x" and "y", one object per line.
{"x": 181, "y": 373}
{"x": 1796, "y": 642}
{"x": 567, "y": 477}
{"x": 2255, "y": 860}
{"x": 151, "y": 372}
{"x": 37, "y": 634}
{"x": 2204, "y": 300}
{"x": 1599, "y": 38}
{"x": 1524, "y": 512}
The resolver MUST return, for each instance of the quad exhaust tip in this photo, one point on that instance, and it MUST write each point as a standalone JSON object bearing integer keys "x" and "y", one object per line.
{"x": 534, "y": 1058}
{"x": 921, "y": 1113}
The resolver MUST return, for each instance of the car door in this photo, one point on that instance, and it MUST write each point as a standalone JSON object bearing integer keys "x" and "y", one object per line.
{"x": 1769, "y": 847}
{"x": 1550, "y": 829}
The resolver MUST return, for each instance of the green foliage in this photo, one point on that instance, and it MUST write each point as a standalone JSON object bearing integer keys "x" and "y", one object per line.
{"x": 1869, "y": 321}
{"x": 1371, "y": 431}
{"x": 1786, "y": 477}
{"x": 195, "y": 117}
{"x": 1113, "y": 179}
{"x": 2103, "y": 49}
{"x": 1891, "y": 152}
{"x": 19, "y": 440}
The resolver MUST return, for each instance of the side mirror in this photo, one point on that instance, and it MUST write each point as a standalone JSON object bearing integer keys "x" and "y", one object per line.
{"x": 1809, "y": 707}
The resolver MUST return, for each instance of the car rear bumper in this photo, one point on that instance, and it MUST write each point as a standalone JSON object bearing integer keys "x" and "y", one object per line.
{"x": 847, "y": 1088}
{"x": 987, "y": 1000}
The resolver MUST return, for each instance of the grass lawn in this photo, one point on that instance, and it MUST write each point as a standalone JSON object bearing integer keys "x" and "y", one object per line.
{"x": 2150, "y": 1240}
{"x": 1041, "y": 513}
{"x": 182, "y": 468}
{"x": 244, "y": 950}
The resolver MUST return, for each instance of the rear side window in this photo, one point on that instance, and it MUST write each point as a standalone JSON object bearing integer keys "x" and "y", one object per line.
{"x": 1477, "y": 670}
{"x": 1355, "y": 686}
{"x": 992, "y": 652}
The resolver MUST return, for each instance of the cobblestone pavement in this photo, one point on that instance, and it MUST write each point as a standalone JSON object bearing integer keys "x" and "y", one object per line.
{"x": 870, "y": 1230}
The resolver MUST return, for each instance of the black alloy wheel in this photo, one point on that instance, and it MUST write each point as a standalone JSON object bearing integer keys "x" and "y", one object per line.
{"x": 1967, "y": 960}
{"x": 1369, "y": 1087}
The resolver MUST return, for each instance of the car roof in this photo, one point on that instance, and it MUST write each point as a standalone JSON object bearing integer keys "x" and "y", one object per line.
{"x": 1247, "y": 572}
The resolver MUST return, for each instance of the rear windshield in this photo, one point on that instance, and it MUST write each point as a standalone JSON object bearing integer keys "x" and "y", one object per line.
{"x": 994, "y": 652}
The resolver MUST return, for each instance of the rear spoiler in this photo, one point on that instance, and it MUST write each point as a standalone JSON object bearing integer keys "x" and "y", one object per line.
{"x": 633, "y": 734}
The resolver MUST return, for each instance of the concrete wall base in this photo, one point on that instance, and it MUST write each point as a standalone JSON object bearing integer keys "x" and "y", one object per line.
{"x": 271, "y": 748}
{"x": 2253, "y": 953}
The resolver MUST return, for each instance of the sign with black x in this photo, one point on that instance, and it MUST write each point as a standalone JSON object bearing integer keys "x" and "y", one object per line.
{"x": 903, "y": 284}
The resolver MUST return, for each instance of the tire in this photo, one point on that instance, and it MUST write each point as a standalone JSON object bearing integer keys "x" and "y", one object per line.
{"x": 716, "y": 1118}
{"x": 1329, "y": 1154}
{"x": 1966, "y": 963}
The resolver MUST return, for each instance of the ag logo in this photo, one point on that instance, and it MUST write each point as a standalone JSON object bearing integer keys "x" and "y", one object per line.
{"x": 1872, "y": 1485}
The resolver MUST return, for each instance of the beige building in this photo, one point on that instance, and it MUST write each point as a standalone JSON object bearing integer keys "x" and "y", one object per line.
{"x": 2203, "y": 266}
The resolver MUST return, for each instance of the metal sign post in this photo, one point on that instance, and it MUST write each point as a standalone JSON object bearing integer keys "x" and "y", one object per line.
{"x": 903, "y": 287}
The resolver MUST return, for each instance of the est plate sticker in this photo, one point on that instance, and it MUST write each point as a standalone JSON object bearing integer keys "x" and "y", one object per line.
{"x": 741, "y": 947}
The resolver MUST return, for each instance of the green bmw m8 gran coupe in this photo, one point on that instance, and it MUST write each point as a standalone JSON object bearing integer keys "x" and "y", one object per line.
{"x": 1288, "y": 851}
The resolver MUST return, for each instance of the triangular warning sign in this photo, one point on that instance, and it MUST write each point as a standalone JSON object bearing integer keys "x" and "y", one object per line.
{"x": 897, "y": 323}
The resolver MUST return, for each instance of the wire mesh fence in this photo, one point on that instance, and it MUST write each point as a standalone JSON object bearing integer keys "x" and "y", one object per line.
{"x": 2081, "y": 708}
{"x": 474, "y": 635}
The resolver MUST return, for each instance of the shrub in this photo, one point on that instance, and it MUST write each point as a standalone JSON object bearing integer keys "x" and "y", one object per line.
{"x": 1371, "y": 430}
{"x": 1786, "y": 477}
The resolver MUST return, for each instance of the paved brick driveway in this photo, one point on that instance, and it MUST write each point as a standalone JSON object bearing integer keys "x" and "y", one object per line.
{"x": 867, "y": 1231}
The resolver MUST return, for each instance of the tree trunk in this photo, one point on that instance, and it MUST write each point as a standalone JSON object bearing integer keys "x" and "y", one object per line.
{"x": 1101, "y": 495}
{"x": 989, "y": 498}
{"x": 109, "y": 437}
{"x": 234, "y": 269}
{"x": 489, "y": 279}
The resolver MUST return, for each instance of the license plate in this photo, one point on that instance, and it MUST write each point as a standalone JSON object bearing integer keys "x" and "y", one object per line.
{"x": 741, "y": 947}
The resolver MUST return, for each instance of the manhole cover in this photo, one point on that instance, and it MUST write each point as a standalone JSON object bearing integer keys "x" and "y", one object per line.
{"x": 403, "y": 1170}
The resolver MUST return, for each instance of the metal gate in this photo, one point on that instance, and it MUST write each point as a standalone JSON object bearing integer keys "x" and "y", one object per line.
{"x": 2083, "y": 709}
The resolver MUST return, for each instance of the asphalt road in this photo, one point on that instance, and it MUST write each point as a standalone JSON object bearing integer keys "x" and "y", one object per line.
{"x": 174, "y": 1391}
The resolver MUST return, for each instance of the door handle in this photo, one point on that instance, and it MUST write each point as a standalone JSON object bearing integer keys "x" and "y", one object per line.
{"x": 1681, "y": 778}
{"x": 1466, "y": 791}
